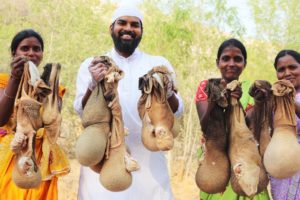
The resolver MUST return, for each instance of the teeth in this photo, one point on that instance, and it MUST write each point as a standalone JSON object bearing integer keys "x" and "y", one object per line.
{"x": 126, "y": 36}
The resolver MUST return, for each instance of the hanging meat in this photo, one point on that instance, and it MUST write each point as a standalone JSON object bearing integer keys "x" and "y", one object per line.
{"x": 281, "y": 157}
{"x": 214, "y": 168}
{"x": 101, "y": 146}
{"x": 29, "y": 100}
{"x": 154, "y": 110}
{"x": 246, "y": 164}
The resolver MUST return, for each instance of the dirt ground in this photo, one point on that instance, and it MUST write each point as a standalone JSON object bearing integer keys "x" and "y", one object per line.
{"x": 185, "y": 189}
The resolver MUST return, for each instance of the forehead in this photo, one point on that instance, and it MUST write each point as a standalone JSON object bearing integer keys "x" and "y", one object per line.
{"x": 231, "y": 50}
{"x": 129, "y": 19}
{"x": 286, "y": 60}
{"x": 30, "y": 41}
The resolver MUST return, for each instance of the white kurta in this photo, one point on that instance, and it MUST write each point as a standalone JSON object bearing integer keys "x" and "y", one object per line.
{"x": 152, "y": 181}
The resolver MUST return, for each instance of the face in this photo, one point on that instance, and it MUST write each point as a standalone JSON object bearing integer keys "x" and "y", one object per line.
{"x": 231, "y": 63}
{"x": 288, "y": 68}
{"x": 126, "y": 33}
{"x": 30, "y": 48}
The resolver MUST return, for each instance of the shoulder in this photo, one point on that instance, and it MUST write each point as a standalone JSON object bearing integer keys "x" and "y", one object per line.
{"x": 86, "y": 62}
{"x": 201, "y": 94}
{"x": 246, "y": 85}
{"x": 85, "y": 65}
{"x": 155, "y": 60}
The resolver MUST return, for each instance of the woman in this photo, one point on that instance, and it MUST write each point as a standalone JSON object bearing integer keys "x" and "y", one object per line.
{"x": 287, "y": 65}
{"x": 231, "y": 61}
{"x": 26, "y": 45}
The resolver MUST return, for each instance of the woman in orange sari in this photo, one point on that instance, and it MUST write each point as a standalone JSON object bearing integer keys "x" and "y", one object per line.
{"x": 26, "y": 45}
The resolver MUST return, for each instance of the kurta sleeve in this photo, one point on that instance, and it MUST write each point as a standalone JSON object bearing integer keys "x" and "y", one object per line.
{"x": 180, "y": 108}
{"x": 82, "y": 82}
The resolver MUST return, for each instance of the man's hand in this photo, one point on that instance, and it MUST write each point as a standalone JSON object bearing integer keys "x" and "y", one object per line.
{"x": 98, "y": 71}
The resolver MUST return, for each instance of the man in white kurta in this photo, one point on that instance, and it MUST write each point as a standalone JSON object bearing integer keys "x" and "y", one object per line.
{"x": 152, "y": 181}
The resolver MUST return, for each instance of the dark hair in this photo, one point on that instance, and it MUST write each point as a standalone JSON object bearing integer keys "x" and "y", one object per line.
{"x": 285, "y": 52}
{"x": 20, "y": 36}
{"x": 232, "y": 42}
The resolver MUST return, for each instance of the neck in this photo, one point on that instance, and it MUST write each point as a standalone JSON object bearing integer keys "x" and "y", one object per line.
{"x": 229, "y": 80}
{"x": 123, "y": 54}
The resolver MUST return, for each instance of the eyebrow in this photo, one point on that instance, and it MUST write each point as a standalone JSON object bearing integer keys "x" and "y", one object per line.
{"x": 133, "y": 22}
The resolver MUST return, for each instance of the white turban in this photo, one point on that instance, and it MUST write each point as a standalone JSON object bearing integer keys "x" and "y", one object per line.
{"x": 126, "y": 11}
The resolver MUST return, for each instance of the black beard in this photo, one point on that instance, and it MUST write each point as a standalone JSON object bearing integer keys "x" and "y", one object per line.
{"x": 127, "y": 47}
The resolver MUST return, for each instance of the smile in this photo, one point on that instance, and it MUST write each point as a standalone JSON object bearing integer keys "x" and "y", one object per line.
{"x": 290, "y": 79}
{"x": 231, "y": 71}
{"x": 126, "y": 37}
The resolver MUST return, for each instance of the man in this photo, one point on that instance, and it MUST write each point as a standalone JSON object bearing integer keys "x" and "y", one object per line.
{"x": 152, "y": 180}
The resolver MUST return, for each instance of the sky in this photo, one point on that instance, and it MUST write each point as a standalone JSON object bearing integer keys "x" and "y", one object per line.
{"x": 244, "y": 13}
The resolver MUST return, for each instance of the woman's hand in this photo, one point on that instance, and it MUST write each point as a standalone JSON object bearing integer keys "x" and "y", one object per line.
{"x": 19, "y": 142}
{"x": 17, "y": 66}
{"x": 237, "y": 93}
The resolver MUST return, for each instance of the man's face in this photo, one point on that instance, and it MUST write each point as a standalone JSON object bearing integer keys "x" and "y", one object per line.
{"x": 126, "y": 33}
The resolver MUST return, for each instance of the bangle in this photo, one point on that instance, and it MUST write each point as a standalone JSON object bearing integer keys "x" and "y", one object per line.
{"x": 10, "y": 97}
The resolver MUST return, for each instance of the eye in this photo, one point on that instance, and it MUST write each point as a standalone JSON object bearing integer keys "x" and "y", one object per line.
{"x": 24, "y": 48}
{"x": 238, "y": 59}
{"x": 121, "y": 22}
{"x": 135, "y": 24}
{"x": 280, "y": 69}
{"x": 37, "y": 48}
{"x": 225, "y": 58}
{"x": 292, "y": 67}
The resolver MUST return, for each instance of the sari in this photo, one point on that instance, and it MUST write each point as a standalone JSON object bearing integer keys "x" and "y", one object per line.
{"x": 50, "y": 158}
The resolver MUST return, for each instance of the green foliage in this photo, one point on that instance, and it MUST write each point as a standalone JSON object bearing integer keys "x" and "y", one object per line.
{"x": 278, "y": 21}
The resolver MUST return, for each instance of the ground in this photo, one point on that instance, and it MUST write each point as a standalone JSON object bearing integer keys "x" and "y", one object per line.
{"x": 183, "y": 189}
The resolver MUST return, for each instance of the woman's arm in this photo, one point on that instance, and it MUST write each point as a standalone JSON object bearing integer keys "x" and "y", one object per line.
{"x": 7, "y": 100}
{"x": 203, "y": 109}
{"x": 8, "y": 95}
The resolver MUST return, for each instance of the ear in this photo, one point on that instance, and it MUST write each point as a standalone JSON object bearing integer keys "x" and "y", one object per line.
{"x": 111, "y": 27}
{"x": 217, "y": 63}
